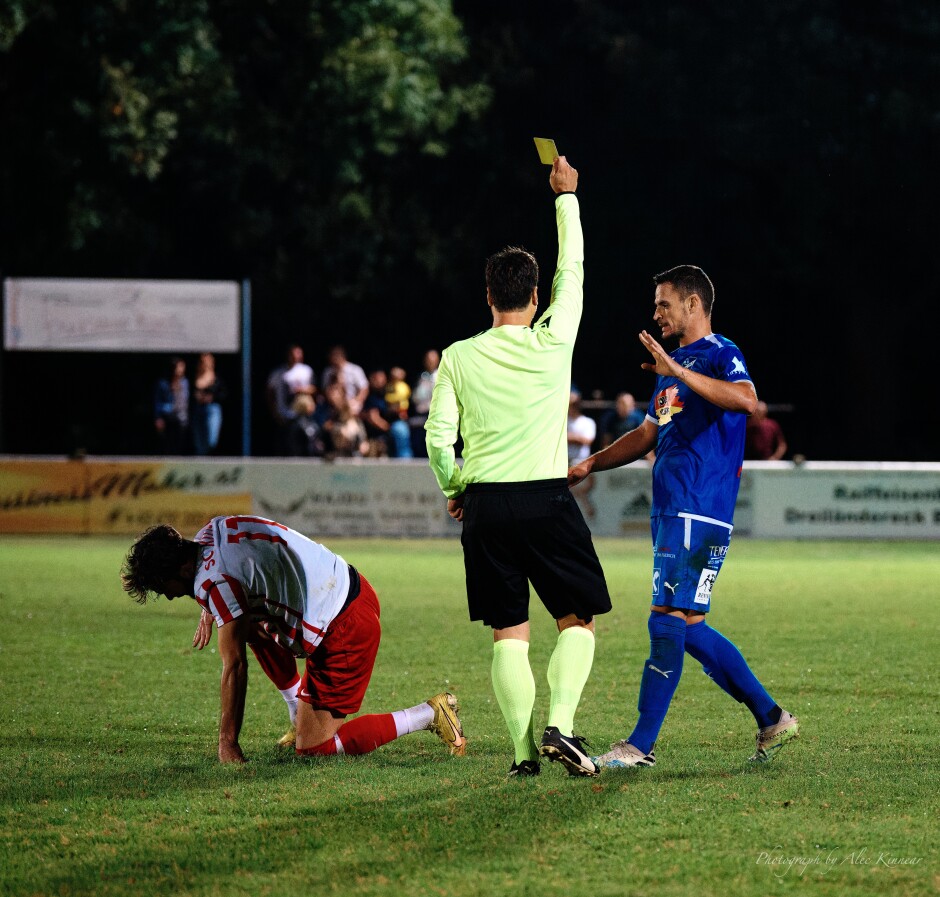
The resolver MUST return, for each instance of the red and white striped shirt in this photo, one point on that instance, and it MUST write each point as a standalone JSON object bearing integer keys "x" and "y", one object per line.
{"x": 254, "y": 566}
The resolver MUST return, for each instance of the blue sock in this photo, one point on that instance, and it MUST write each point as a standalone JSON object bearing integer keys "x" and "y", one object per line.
{"x": 726, "y": 666}
{"x": 661, "y": 674}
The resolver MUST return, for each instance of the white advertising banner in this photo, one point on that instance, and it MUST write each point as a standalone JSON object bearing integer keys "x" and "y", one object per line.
{"x": 829, "y": 501}
{"x": 66, "y": 314}
{"x": 352, "y": 499}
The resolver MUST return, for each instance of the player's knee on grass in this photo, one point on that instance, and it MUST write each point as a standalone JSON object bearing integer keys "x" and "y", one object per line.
{"x": 315, "y": 726}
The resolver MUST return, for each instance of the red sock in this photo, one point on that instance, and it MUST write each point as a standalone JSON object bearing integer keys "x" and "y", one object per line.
{"x": 321, "y": 750}
{"x": 279, "y": 665}
{"x": 359, "y": 736}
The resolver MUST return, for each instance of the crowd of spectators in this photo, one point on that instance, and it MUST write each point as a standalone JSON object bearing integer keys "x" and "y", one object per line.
{"x": 380, "y": 414}
{"x": 349, "y": 413}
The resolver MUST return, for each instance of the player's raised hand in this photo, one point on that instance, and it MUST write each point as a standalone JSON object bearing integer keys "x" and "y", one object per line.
{"x": 564, "y": 178}
{"x": 662, "y": 364}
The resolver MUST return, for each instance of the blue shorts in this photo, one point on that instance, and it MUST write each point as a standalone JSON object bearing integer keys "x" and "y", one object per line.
{"x": 688, "y": 552}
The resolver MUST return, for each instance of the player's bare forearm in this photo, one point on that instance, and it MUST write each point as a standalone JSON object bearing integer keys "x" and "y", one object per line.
{"x": 233, "y": 691}
{"x": 628, "y": 448}
{"x": 740, "y": 397}
{"x": 234, "y": 687}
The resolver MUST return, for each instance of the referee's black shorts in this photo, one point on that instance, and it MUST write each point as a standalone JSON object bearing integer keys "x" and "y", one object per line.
{"x": 516, "y": 533}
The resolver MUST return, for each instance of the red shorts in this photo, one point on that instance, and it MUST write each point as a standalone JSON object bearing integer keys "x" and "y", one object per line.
{"x": 339, "y": 670}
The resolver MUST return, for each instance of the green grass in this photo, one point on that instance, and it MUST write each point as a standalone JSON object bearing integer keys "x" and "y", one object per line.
{"x": 108, "y": 732}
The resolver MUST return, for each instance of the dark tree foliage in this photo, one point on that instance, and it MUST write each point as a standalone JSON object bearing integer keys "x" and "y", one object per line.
{"x": 359, "y": 160}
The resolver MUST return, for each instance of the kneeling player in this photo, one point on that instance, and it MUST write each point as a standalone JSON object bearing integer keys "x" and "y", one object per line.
{"x": 248, "y": 570}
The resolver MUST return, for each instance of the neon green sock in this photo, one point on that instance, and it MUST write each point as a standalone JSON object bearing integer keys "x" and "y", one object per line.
{"x": 568, "y": 670}
{"x": 514, "y": 686}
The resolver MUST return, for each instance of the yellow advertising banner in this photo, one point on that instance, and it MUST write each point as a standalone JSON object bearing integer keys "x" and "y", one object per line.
{"x": 120, "y": 497}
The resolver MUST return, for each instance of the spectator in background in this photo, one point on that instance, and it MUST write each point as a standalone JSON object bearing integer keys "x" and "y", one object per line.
{"x": 352, "y": 378}
{"x": 304, "y": 431}
{"x": 582, "y": 430}
{"x": 285, "y": 383}
{"x": 398, "y": 392}
{"x": 345, "y": 431}
{"x": 421, "y": 401}
{"x": 171, "y": 409}
{"x": 208, "y": 392}
{"x": 375, "y": 415}
{"x": 398, "y": 396}
{"x": 622, "y": 418}
{"x": 763, "y": 437}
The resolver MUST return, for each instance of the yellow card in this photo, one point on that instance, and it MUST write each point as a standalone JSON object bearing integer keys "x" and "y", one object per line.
{"x": 547, "y": 152}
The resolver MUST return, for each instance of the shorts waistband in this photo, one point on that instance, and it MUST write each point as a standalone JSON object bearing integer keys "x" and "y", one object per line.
{"x": 352, "y": 593}
{"x": 525, "y": 486}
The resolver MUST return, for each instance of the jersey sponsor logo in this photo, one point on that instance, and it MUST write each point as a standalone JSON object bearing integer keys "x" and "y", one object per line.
{"x": 656, "y": 575}
{"x": 717, "y": 551}
{"x": 689, "y": 363}
{"x": 703, "y": 593}
{"x": 209, "y": 559}
{"x": 667, "y": 404}
{"x": 671, "y": 587}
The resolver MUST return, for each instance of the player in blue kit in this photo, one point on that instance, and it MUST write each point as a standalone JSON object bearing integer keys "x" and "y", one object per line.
{"x": 695, "y": 422}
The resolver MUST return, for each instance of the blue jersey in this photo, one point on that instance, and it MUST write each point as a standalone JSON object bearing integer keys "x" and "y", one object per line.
{"x": 700, "y": 447}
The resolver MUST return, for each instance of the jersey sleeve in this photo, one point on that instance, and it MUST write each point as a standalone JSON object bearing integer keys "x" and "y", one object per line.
{"x": 205, "y": 535}
{"x": 730, "y": 366}
{"x": 223, "y": 597}
{"x": 441, "y": 430}
{"x": 563, "y": 314}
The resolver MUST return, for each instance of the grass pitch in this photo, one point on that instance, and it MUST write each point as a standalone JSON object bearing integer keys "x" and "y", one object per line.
{"x": 108, "y": 735}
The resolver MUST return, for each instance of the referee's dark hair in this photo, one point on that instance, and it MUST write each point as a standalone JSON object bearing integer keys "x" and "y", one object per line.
{"x": 511, "y": 276}
{"x": 688, "y": 279}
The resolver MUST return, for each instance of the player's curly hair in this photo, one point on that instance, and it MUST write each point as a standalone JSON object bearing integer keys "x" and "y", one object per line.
{"x": 511, "y": 276}
{"x": 688, "y": 279}
{"x": 153, "y": 560}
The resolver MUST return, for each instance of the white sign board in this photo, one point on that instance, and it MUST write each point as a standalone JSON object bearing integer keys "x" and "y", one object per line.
{"x": 352, "y": 499}
{"x": 832, "y": 501}
{"x": 65, "y": 314}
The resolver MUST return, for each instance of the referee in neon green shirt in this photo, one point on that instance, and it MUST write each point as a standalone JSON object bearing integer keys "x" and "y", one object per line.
{"x": 505, "y": 391}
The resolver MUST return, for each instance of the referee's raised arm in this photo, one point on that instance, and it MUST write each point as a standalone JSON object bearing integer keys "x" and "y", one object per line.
{"x": 563, "y": 315}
